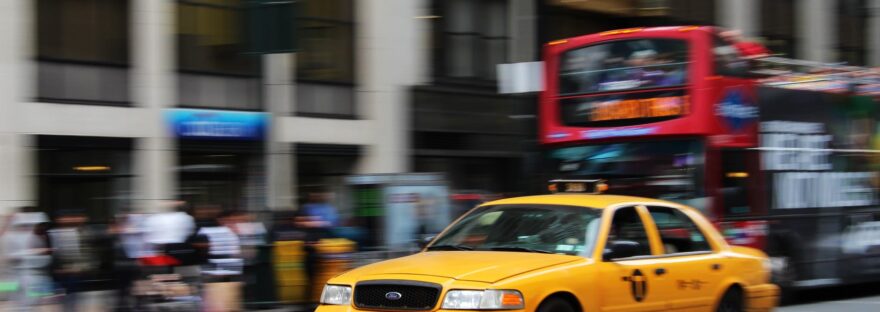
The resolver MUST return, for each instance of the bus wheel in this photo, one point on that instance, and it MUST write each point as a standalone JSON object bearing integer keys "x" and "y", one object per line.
{"x": 784, "y": 275}
{"x": 732, "y": 301}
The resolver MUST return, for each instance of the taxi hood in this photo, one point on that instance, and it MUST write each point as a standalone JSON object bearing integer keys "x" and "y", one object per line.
{"x": 479, "y": 266}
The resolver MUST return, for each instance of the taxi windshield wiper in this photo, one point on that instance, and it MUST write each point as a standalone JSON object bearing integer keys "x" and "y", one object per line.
{"x": 514, "y": 248}
{"x": 450, "y": 247}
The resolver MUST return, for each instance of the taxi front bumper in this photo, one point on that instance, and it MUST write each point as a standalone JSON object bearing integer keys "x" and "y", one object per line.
{"x": 349, "y": 308}
{"x": 760, "y": 298}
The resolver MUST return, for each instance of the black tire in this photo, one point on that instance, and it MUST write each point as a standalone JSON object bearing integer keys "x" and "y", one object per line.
{"x": 556, "y": 305}
{"x": 785, "y": 279}
{"x": 732, "y": 301}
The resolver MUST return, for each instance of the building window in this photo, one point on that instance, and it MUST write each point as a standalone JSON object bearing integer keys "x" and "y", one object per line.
{"x": 472, "y": 38}
{"x": 82, "y": 51}
{"x": 326, "y": 30}
{"x": 696, "y": 12}
{"x": 852, "y": 22}
{"x": 214, "y": 70}
{"x": 777, "y": 26}
{"x": 325, "y": 65}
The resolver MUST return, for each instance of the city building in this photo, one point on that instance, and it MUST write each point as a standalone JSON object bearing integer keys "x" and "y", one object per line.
{"x": 819, "y": 30}
{"x": 111, "y": 106}
{"x": 117, "y": 105}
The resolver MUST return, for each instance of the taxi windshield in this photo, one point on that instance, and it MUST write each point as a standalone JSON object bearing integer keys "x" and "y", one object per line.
{"x": 524, "y": 228}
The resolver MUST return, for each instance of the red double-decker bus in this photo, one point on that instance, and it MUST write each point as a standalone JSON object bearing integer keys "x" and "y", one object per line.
{"x": 677, "y": 113}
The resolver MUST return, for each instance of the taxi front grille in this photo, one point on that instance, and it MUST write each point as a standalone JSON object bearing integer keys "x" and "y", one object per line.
{"x": 396, "y": 294}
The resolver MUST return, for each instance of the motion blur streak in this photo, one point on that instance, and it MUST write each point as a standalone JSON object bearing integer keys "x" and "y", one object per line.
{"x": 172, "y": 152}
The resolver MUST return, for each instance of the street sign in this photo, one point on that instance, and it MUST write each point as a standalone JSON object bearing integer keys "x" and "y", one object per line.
{"x": 522, "y": 77}
{"x": 271, "y": 26}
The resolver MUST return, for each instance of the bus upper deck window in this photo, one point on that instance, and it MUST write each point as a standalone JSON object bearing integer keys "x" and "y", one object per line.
{"x": 728, "y": 61}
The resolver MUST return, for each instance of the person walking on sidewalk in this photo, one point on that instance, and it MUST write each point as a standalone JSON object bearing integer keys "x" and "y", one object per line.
{"x": 70, "y": 260}
{"x": 222, "y": 272}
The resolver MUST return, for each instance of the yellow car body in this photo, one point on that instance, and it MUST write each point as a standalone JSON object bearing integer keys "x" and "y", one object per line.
{"x": 660, "y": 281}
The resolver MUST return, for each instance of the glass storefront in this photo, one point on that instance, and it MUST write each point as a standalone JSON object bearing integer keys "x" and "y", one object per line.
{"x": 92, "y": 175}
{"x": 230, "y": 176}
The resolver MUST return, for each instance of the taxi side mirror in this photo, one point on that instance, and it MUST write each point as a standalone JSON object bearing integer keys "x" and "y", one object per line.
{"x": 620, "y": 249}
{"x": 426, "y": 240}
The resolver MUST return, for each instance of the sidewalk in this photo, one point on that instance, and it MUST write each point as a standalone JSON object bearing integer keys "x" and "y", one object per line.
{"x": 102, "y": 301}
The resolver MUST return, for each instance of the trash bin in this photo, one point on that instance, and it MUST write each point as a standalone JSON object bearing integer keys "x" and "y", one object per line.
{"x": 290, "y": 272}
{"x": 335, "y": 258}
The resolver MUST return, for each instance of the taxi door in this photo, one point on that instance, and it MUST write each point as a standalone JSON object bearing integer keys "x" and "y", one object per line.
{"x": 689, "y": 261}
{"x": 631, "y": 283}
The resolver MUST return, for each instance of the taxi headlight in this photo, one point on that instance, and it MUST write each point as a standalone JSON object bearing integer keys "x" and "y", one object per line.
{"x": 336, "y": 294}
{"x": 483, "y": 300}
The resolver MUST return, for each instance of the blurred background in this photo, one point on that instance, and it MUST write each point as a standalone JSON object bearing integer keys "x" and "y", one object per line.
{"x": 98, "y": 94}
{"x": 389, "y": 111}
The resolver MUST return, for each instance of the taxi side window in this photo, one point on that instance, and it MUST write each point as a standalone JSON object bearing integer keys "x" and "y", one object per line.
{"x": 677, "y": 231}
{"x": 627, "y": 225}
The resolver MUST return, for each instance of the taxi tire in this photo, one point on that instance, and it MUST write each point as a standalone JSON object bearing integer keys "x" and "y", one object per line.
{"x": 556, "y": 305}
{"x": 732, "y": 301}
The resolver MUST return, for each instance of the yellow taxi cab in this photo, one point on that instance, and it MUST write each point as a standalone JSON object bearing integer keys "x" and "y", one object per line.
{"x": 566, "y": 252}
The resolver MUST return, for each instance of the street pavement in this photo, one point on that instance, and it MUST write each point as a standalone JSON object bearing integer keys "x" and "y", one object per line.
{"x": 853, "y": 298}
{"x": 866, "y": 304}
{"x": 97, "y": 301}
{"x": 856, "y": 298}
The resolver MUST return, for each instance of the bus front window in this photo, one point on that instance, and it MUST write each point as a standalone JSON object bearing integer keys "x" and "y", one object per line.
{"x": 670, "y": 170}
{"x": 624, "y": 65}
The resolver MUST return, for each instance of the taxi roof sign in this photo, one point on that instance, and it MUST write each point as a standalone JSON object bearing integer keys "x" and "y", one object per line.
{"x": 595, "y": 186}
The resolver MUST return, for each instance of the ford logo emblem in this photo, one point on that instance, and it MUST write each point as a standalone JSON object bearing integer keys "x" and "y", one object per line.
{"x": 393, "y": 295}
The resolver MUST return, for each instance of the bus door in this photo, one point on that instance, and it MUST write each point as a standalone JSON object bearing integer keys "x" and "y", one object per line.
{"x": 740, "y": 201}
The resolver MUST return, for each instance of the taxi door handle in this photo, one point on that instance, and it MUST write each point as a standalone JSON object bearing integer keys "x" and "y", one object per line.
{"x": 660, "y": 271}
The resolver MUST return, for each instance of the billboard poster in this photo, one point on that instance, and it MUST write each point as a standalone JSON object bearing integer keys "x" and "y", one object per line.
{"x": 412, "y": 212}
{"x": 818, "y": 153}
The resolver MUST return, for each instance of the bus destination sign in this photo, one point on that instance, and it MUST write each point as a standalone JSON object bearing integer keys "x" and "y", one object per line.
{"x": 614, "y": 109}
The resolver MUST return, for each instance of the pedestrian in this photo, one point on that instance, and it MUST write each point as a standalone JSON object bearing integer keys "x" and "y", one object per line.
{"x": 221, "y": 274}
{"x": 256, "y": 256}
{"x": 70, "y": 259}
{"x": 310, "y": 229}
{"x": 319, "y": 205}
{"x": 123, "y": 237}
{"x": 25, "y": 246}
{"x": 167, "y": 232}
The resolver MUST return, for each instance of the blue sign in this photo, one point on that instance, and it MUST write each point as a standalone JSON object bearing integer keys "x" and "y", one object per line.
{"x": 736, "y": 109}
{"x": 217, "y": 124}
{"x": 558, "y": 135}
{"x": 617, "y": 132}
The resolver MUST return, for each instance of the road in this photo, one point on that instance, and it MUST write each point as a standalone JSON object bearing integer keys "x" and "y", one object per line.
{"x": 867, "y": 304}
{"x": 855, "y": 298}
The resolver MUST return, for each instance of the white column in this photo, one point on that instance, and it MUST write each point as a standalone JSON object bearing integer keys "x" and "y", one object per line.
{"x": 740, "y": 14}
{"x": 16, "y": 85}
{"x": 279, "y": 90}
{"x": 390, "y": 59}
{"x": 816, "y": 29}
{"x": 17, "y": 169}
{"x": 873, "y": 32}
{"x": 523, "y": 25}
{"x": 154, "y": 88}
